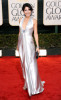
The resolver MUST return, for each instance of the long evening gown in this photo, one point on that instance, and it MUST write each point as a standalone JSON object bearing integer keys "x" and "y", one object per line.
{"x": 28, "y": 58}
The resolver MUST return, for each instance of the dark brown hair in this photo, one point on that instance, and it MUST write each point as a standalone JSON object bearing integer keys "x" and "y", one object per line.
{"x": 27, "y": 5}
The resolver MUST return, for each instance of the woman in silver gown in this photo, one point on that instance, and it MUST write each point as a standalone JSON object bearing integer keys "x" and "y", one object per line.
{"x": 26, "y": 48}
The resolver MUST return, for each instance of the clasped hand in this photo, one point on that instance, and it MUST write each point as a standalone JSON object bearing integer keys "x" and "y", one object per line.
{"x": 37, "y": 49}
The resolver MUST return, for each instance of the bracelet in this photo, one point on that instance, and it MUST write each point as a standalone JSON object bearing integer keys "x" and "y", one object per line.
{"x": 37, "y": 47}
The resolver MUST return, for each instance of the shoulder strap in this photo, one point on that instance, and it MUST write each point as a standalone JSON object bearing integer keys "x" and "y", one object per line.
{"x": 21, "y": 19}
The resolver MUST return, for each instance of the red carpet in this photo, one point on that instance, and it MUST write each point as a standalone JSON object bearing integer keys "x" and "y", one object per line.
{"x": 11, "y": 79}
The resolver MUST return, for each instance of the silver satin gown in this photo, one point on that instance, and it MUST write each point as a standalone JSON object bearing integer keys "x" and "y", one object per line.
{"x": 28, "y": 59}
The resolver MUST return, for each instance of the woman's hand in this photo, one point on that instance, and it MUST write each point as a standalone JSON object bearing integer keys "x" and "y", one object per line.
{"x": 37, "y": 49}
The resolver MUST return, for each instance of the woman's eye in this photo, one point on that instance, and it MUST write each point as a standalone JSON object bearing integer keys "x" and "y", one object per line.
{"x": 27, "y": 10}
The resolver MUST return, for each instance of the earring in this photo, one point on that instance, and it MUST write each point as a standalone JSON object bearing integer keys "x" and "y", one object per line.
{"x": 24, "y": 14}
{"x": 31, "y": 14}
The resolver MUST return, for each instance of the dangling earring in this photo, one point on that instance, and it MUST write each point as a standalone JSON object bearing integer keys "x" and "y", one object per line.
{"x": 24, "y": 14}
{"x": 31, "y": 14}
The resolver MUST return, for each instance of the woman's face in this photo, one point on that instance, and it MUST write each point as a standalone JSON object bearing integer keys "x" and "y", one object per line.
{"x": 27, "y": 11}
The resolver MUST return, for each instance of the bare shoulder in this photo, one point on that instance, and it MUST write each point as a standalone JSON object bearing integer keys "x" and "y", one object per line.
{"x": 20, "y": 19}
{"x": 34, "y": 21}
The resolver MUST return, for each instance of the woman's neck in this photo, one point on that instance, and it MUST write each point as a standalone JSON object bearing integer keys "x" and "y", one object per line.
{"x": 27, "y": 17}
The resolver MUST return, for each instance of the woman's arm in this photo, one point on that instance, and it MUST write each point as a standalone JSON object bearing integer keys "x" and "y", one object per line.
{"x": 36, "y": 33}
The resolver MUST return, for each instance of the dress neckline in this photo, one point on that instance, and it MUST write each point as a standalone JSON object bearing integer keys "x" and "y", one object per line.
{"x": 27, "y": 23}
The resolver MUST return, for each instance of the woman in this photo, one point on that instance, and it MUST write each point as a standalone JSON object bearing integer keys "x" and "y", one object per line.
{"x": 26, "y": 47}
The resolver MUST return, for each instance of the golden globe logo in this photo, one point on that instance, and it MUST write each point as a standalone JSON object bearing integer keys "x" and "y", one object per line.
{"x": 53, "y": 10}
{"x": 15, "y": 10}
